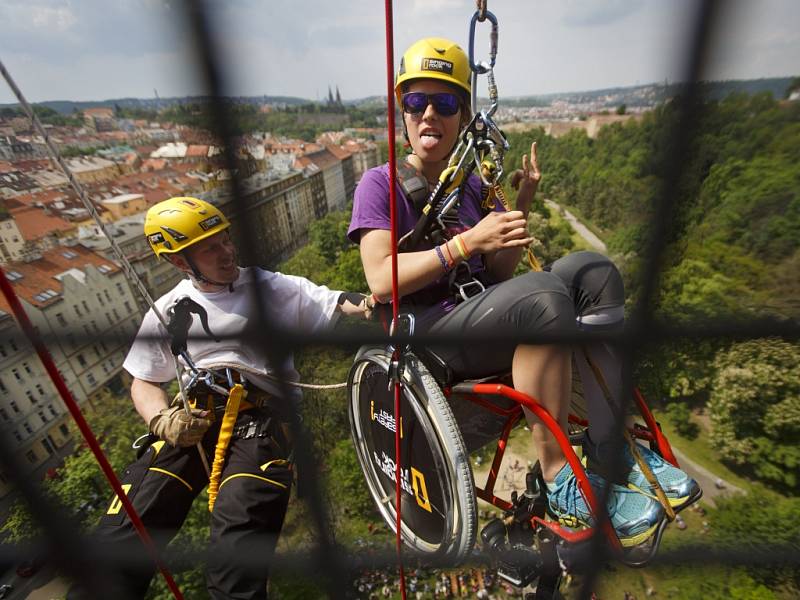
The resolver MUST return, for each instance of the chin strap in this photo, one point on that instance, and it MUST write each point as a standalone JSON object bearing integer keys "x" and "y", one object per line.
{"x": 202, "y": 278}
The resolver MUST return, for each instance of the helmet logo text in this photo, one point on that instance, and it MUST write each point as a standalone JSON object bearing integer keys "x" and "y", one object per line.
{"x": 437, "y": 64}
{"x": 207, "y": 224}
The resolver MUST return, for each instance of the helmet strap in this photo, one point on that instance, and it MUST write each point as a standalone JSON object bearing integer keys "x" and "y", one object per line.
{"x": 199, "y": 276}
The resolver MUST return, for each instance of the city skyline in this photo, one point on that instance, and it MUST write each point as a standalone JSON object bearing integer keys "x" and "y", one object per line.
{"x": 97, "y": 51}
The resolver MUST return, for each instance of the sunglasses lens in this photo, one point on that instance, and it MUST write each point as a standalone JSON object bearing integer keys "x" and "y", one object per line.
{"x": 445, "y": 104}
{"x": 415, "y": 102}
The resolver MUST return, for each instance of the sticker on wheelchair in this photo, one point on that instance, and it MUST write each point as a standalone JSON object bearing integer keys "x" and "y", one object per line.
{"x": 437, "y": 495}
{"x": 423, "y": 509}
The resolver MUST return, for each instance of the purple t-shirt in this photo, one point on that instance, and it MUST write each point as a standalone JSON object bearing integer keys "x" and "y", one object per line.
{"x": 371, "y": 211}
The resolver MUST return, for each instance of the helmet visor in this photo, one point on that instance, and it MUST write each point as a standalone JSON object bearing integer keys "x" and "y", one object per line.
{"x": 446, "y": 103}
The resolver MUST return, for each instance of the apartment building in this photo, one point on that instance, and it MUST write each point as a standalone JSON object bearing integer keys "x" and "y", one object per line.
{"x": 278, "y": 210}
{"x": 158, "y": 275}
{"x": 85, "y": 310}
{"x": 332, "y": 175}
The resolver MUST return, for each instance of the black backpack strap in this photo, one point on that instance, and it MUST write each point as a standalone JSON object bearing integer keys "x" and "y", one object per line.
{"x": 413, "y": 184}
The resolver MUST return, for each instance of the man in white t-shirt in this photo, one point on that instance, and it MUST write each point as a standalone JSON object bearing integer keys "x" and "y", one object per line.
{"x": 255, "y": 481}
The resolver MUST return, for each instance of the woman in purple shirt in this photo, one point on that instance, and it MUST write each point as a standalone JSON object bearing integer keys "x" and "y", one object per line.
{"x": 433, "y": 86}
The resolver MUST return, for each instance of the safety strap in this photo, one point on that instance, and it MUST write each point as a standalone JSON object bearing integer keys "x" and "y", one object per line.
{"x": 235, "y": 397}
{"x": 648, "y": 473}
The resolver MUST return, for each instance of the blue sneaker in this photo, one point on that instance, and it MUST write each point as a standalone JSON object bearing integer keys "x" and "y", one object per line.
{"x": 634, "y": 516}
{"x": 680, "y": 489}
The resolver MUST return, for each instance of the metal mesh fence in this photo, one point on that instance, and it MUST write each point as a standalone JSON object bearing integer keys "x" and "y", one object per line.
{"x": 337, "y": 566}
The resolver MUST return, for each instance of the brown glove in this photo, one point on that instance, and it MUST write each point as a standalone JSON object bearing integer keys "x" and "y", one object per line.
{"x": 173, "y": 425}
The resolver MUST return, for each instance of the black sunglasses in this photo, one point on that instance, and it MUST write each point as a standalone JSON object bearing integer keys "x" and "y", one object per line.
{"x": 446, "y": 104}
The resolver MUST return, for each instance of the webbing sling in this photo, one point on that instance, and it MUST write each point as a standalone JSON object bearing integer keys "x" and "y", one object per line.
{"x": 235, "y": 397}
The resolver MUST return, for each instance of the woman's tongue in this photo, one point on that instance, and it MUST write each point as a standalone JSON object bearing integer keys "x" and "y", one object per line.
{"x": 429, "y": 140}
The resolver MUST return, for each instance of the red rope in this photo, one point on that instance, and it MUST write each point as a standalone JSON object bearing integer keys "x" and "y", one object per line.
{"x": 25, "y": 323}
{"x": 395, "y": 290}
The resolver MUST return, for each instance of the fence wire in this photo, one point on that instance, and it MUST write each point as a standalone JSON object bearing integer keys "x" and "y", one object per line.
{"x": 333, "y": 566}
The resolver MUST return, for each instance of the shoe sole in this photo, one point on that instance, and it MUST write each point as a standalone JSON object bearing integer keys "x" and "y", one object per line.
{"x": 626, "y": 542}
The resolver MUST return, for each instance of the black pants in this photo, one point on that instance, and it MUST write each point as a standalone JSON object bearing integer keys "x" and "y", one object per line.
{"x": 245, "y": 524}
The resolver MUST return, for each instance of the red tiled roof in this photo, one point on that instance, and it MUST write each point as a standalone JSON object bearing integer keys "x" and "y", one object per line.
{"x": 197, "y": 150}
{"x": 34, "y": 224}
{"x": 323, "y": 159}
{"x": 39, "y": 275}
{"x": 338, "y": 152}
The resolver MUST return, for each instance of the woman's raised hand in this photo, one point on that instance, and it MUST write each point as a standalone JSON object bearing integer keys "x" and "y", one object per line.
{"x": 496, "y": 231}
{"x": 527, "y": 179}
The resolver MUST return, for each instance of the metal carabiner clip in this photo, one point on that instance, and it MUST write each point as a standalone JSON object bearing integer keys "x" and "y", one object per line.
{"x": 466, "y": 291}
{"x": 479, "y": 67}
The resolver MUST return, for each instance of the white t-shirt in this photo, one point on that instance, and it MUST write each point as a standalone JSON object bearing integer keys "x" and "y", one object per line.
{"x": 292, "y": 303}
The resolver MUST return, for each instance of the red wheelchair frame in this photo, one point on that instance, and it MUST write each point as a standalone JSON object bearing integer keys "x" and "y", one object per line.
{"x": 476, "y": 393}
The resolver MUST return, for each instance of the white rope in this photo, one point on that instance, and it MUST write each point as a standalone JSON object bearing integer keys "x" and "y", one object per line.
{"x": 257, "y": 373}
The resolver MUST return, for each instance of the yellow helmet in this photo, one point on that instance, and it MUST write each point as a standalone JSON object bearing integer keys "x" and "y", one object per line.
{"x": 434, "y": 58}
{"x": 175, "y": 224}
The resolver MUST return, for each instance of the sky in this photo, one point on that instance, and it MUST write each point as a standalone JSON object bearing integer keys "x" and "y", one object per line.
{"x": 101, "y": 49}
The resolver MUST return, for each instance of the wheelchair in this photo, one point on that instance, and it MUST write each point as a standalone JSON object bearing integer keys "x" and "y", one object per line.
{"x": 443, "y": 421}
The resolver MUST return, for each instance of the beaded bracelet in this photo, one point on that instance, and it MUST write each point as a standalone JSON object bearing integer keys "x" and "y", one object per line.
{"x": 442, "y": 259}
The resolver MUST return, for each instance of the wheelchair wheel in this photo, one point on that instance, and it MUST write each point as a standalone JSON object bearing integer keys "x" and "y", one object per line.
{"x": 439, "y": 516}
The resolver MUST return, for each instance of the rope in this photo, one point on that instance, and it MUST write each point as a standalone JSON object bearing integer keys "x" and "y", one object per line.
{"x": 255, "y": 372}
{"x": 395, "y": 287}
{"x": 86, "y": 431}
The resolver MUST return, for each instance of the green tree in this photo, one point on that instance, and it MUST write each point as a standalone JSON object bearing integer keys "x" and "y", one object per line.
{"x": 755, "y": 409}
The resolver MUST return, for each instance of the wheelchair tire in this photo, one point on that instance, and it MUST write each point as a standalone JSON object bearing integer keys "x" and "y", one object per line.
{"x": 439, "y": 513}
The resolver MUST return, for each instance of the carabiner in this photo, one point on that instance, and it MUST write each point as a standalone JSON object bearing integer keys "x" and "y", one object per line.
{"x": 479, "y": 67}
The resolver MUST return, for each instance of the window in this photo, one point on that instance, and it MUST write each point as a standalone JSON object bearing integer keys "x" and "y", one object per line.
{"x": 42, "y": 416}
{"x": 64, "y": 429}
{"x": 39, "y": 389}
{"x": 27, "y": 368}
{"x": 31, "y": 456}
{"x": 120, "y": 289}
{"x": 16, "y": 374}
{"x": 17, "y": 435}
{"x": 29, "y": 394}
{"x": 115, "y": 313}
{"x": 27, "y": 428}
{"x": 108, "y": 296}
{"x": 13, "y": 343}
{"x": 128, "y": 308}
{"x": 53, "y": 412}
{"x": 99, "y": 298}
{"x": 61, "y": 320}
{"x": 3, "y": 414}
{"x": 77, "y": 310}
{"x": 69, "y": 254}
{"x": 47, "y": 444}
{"x": 3, "y": 351}
{"x": 13, "y": 405}
{"x": 81, "y": 360}
{"x": 110, "y": 321}
{"x": 3, "y": 387}
{"x": 90, "y": 378}
{"x": 85, "y": 306}
{"x": 13, "y": 275}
